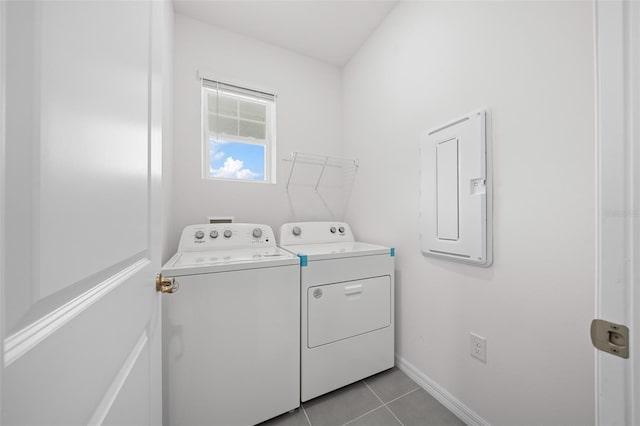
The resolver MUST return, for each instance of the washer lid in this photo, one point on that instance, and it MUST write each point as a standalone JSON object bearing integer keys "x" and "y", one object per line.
{"x": 337, "y": 250}
{"x": 204, "y": 262}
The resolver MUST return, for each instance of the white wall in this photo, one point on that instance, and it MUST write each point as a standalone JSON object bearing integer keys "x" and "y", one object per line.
{"x": 309, "y": 120}
{"x": 531, "y": 63}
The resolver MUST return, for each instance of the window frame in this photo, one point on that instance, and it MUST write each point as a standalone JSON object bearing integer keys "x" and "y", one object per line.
{"x": 269, "y": 142}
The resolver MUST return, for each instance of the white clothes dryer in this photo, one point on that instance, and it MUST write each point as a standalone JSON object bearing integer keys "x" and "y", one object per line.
{"x": 232, "y": 330}
{"x": 347, "y": 305}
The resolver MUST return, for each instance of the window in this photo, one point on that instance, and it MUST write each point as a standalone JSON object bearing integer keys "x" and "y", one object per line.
{"x": 238, "y": 133}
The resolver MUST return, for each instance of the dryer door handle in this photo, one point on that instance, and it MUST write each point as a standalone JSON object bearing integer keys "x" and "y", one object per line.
{"x": 353, "y": 289}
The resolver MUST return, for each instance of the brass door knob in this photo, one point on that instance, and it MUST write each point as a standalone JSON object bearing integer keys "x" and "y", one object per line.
{"x": 166, "y": 285}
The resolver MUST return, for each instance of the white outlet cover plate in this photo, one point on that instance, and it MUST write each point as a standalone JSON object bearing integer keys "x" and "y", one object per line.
{"x": 478, "y": 347}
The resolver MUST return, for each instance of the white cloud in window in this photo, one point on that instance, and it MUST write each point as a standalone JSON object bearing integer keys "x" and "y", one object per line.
{"x": 234, "y": 169}
{"x": 217, "y": 156}
{"x": 216, "y": 153}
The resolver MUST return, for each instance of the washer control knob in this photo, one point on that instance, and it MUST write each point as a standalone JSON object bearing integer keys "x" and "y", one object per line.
{"x": 213, "y": 234}
{"x": 333, "y": 229}
{"x": 341, "y": 229}
{"x": 199, "y": 235}
{"x": 296, "y": 230}
{"x": 227, "y": 233}
{"x": 257, "y": 233}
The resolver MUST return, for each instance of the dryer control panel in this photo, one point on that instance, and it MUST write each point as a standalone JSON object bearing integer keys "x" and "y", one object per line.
{"x": 315, "y": 233}
{"x": 213, "y": 236}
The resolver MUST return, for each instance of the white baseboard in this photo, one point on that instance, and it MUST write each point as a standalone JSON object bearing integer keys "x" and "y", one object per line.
{"x": 454, "y": 405}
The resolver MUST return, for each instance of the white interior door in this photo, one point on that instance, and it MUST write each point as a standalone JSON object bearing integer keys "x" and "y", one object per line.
{"x": 617, "y": 26}
{"x": 80, "y": 178}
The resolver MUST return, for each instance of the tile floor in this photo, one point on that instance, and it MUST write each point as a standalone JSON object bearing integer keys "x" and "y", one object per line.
{"x": 386, "y": 399}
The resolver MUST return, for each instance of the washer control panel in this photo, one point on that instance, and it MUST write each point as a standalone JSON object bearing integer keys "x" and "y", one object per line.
{"x": 315, "y": 232}
{"x": 226, "y": 235}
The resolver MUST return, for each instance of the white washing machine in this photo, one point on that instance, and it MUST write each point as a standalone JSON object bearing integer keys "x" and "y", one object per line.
{"x": 347, "y": 305}
{"x": 232, "y": 330}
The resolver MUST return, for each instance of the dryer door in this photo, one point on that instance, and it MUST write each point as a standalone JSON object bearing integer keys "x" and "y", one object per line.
{"x": 342, "y": 310}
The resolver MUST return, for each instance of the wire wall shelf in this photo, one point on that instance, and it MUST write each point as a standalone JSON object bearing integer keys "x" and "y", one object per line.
{"x": 349, "y": 166}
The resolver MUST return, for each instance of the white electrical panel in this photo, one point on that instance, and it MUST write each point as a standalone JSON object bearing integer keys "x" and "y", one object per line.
{"x": 456, "y": 191}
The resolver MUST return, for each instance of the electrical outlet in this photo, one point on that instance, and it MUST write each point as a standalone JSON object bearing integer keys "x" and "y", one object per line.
{"x": 478, "y": 347}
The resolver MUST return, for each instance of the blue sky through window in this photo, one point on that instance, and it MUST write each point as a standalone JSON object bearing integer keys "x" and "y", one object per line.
{"x": 236, "y": 160}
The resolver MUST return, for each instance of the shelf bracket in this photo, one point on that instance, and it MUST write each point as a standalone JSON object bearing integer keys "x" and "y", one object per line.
{"x": 324, "y": 166}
